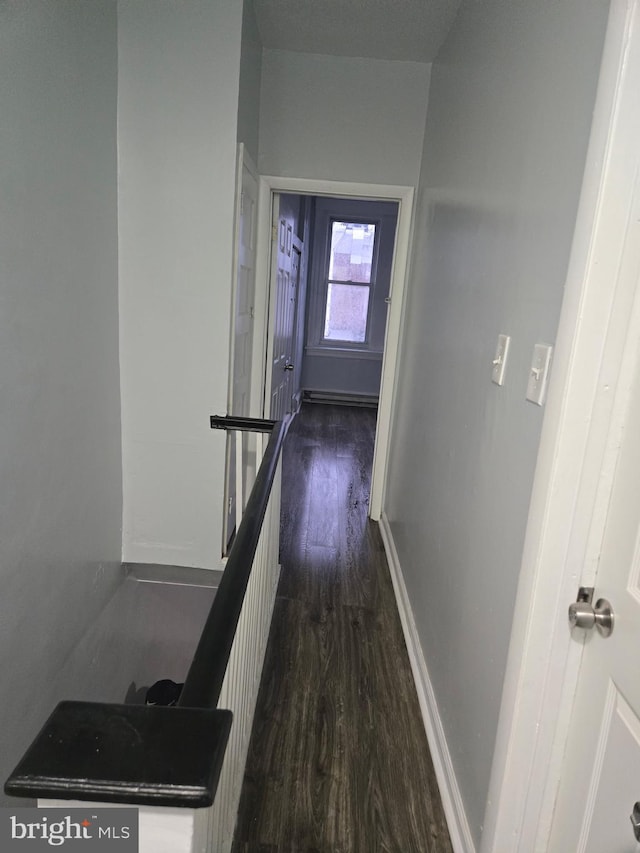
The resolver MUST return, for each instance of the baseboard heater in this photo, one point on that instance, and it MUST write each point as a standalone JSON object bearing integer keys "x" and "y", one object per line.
{"x": 341, "y": 398}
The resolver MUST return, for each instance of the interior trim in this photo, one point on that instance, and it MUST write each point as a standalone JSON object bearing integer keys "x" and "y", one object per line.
{"x": 461, "y": 839}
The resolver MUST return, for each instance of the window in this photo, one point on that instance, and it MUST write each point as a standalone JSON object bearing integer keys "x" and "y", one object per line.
{"x": 349, "y": 281}
{"x": 351, "y": 253}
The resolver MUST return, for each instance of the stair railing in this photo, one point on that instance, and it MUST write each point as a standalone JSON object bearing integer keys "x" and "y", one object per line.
{"x": 182, "y": 766}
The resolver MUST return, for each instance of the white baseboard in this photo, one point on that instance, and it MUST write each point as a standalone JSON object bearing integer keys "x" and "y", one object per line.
{"x": 459, "y": 831}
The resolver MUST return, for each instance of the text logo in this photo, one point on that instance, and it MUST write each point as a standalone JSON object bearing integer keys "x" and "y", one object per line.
{"x": 24, "y": 829}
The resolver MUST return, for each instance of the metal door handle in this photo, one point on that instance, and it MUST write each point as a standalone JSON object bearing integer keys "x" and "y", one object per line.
{"x": 582, "y": 614}
{"x": 635, "y": 820}
{"x": 289, "y": 366}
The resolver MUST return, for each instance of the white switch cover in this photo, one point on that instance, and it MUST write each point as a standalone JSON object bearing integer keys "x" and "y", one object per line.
{"x": 539, "y": 373}
{"x": 500, "y": 359}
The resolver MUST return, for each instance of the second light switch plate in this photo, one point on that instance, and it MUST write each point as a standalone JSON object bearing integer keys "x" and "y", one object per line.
{"x": 539, "y": 373}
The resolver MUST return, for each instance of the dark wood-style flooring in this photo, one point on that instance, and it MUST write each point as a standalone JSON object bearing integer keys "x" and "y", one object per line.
{"x": 338, "y": 761}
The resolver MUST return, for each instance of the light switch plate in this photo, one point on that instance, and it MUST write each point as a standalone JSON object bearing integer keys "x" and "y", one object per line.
{"x": 539, "y": 373}
{"x": 500, "y": 359}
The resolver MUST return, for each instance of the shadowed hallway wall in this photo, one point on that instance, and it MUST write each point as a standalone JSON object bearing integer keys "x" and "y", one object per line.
{"x": 510, "y": 105}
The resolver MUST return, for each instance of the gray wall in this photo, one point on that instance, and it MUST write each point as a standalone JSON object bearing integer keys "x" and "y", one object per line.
{"x": 250, "y": 77}
{"x": 179, "y": 69}
{"x": 509, "y": 113}
{"x": 60, "y": 460}
{"x": 342, "y": 119}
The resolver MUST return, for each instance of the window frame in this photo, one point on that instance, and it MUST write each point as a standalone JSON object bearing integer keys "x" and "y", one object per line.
{"x": 335, "y": 343}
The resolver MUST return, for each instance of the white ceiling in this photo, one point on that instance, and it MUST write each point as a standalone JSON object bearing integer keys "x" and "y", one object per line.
{"x": 379, "y": 29}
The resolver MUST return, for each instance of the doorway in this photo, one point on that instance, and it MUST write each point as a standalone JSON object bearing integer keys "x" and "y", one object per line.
{"x": 331, "y": 275}
{"x": 266, "y": 301}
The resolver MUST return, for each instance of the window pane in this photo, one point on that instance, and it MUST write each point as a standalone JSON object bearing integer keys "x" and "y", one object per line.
{"x": 351, "y": 251}
{"x": 346, "y": 317}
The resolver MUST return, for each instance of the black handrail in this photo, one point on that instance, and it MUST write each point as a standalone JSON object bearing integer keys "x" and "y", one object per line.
{"x": 206, "y": 674}
{"x": 149, "y": 754}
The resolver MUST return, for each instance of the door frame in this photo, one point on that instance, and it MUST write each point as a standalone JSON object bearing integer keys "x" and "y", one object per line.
{"x": 270, "y": 184}
{"x": 573, "y": 478}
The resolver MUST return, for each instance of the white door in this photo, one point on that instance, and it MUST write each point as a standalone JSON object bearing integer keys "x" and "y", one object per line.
{"x": 297, "y": 331}
{"x": 600, "y": 776}
{"x": 245, "y": 291}
{"x": 283, "y": 326}
{"x": 236, "y": 477}
{"x": 601, "y": 779}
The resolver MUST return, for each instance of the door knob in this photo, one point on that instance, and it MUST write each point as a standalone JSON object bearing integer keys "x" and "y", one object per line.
{"x": 288, "y": 366}
{"x": 635, "y": 820}
{"x": 582, "y": 614}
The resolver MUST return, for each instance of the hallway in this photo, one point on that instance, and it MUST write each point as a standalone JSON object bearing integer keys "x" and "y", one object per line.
{"x": 338, "y": 761}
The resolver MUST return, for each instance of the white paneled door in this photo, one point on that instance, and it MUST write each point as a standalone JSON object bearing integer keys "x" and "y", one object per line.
{"x": 236, "y": 479}
{"x": 245, "y": 289}
{"x": 600, "y": 777}
{"x": 284, "y": 275}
